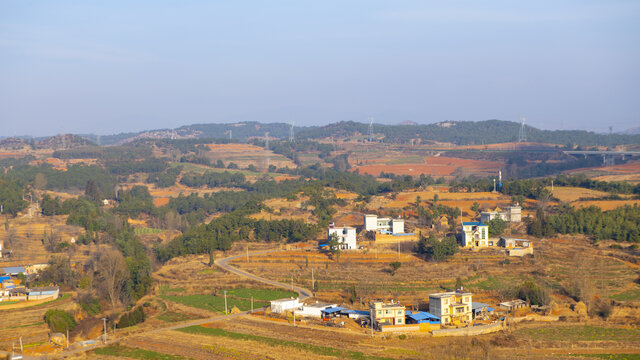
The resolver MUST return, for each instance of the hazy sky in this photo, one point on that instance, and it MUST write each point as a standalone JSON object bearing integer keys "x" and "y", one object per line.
{"x": 115, "y": 66}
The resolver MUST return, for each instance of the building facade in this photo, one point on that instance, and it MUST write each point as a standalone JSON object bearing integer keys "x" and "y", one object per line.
{"x": 509, "y": 214}
{"x": 474, "y": 234}
{"x": 387, "y": 313}
{"x": 346, "y": 237}
{"x": 374, "y": 223}
{"x": 454, "y": 307}
{"x": 281, "y": 305}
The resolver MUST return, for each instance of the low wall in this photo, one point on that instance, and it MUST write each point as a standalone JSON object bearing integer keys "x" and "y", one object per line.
{"x": 469, "y": 331}
{"x": 534, "y": 318}
{"x": 399, "y": 328}
{"x": 520, "y": 252}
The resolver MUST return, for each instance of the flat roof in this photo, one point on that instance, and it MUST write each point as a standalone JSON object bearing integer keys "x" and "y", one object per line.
{"x": 341, "y": 227}
{"x": 14, "y": 270}
{"x": 448, "y": 294}
{"x": 422, "y": 315}
{"x": 283, "y": 300}
{"x": 319, "y": 305}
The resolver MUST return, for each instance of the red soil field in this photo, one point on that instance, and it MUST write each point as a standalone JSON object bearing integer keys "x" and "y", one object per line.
{"x": 4, "y": 155}
{"x": 434, "y": 166}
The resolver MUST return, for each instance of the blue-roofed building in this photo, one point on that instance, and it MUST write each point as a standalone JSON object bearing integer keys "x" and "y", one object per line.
{"x": 355, "y": 314}
{"x": 332, "y": 312}
{"x": 474, "y": 234}
{"x": 422, "y": 317}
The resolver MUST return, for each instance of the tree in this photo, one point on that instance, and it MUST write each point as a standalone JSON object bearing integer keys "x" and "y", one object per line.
{"x": 40, "y": 181}
{"x": 475, "y": 207}
{"x": 458, "y": 283}
{"x": 112, "y": 274}
{"x": 437, "y": 250}
{"x": 394, "y": 267}
{"x": 91, "y": 190}
{"x": 496, "y": 227}
{"x": 334, "y": 245}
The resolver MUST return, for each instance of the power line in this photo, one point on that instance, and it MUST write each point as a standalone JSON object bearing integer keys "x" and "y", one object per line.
{"x": 522, "y": 136}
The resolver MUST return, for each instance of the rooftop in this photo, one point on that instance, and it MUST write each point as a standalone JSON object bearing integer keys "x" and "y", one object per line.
{"x": 319, "y": 305}
{"x": 284, "y": 300}
{"x": 449, "y": 294}
{"x": 472, "y": 223}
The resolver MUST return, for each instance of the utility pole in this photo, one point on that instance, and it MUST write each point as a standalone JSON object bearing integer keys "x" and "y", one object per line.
{"x": 252, "y": 304}
{"x": 551, "y": 184}
{"x": 291, "y": 282}
{"x": 398, "y": 248}
{"x": 313, "y": 281}
{"x": 104, "y": 320}
{"x": 247, "y": 253}
{"x": 22, "y": 348}
{"x": 225, "y": 302}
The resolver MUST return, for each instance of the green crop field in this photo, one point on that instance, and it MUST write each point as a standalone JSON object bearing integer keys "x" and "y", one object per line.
{"x": 260, "y": 294}
{"x": 214, "y": 303}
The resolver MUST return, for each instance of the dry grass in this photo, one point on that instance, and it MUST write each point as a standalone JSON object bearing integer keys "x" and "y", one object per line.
{"x": 569, "y": 194}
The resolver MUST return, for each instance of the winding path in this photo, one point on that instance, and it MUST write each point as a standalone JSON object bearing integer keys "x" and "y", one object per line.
{"x": 224, "y": 264}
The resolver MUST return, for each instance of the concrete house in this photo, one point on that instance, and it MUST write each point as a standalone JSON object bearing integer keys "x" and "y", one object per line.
{"x": 454, "y": 307}
{"x": 346, "y": 237}
{"x": 474, "y": 234}
{"x": 516, "y": 247}
{"x": 387, "y": 313}
{"x": 509, "y": 214}
{"x": 281, "y": 305}
{"x": 391, "y": 226}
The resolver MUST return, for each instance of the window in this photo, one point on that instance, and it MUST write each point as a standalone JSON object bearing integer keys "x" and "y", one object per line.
{"x": 446, "y": 301}
{"x": 446, "y": 310}
{"x": 399, "y": 320}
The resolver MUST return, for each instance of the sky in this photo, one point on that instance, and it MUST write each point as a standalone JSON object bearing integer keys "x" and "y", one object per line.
{"x": 119, "y": 66}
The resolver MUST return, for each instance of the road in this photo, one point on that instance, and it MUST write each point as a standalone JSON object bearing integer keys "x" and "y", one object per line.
{"x": 224, "y": 264}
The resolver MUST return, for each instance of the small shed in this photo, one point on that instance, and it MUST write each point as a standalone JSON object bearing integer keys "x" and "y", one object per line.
{"x": 332, "y": 312}
{"x": 355, "y": 314}
{"x": 513, "y": 304}
{"x": 421, "y": 317}
{"x": 481, "y": 310}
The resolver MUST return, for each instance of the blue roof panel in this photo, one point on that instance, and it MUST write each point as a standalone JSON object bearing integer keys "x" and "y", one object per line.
{"x": 333, "y": 309}
{"x": 421, "y": 315}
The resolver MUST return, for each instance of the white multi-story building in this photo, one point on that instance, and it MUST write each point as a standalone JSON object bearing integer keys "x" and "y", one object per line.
{"x": 346, "y": 237}
{"x": 374, "y": 223}
{"x": 474, "y": 234}
{"x": 509, "y": 214}
{"x": 454, "y": 307}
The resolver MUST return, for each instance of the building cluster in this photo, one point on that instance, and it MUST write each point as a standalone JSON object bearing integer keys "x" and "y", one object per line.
{"x": 12, "y": 288}
{"x": 451, "y": 309}
{"x": 386, "y": 230}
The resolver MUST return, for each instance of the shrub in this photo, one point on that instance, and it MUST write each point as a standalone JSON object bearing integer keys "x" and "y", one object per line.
{"x": 59, "y": 320}
{"x": 132, "y": 318}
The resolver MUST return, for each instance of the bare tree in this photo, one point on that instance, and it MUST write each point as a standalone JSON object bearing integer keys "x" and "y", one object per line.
{"x": 111, "y": 274}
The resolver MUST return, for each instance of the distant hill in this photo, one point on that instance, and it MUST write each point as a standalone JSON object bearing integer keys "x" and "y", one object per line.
{"x": 467, "y": 133}
{"x": 631, "y": 131}
{"x": 456, "y": 132}
{"x": 239, "y": 131}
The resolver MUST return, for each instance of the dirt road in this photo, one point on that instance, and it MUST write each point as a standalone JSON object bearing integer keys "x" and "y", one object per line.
{"x": 224, "y": 264}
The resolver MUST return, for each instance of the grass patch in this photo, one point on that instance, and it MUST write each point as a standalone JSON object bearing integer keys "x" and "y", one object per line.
{"x": 9, "y": 302}
{"x": 610, "y": 356}
{"x": 207, "y": 271}
{"x": 581, "y": 333}
{"x": 631, "y": 295}
{"x": 490, "y": 283}
{"x": 33, "y": 344}
{"x": 172, "y": 316}
{"x": 122, "y": 351}
{"x": 214, "y": 303}
{"x": 316, "y": 349}
{"x": 411, "y": 159}
{"x": 164, "y": 289}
